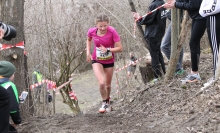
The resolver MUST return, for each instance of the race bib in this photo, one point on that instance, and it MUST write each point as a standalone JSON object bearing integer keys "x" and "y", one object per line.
{"x": 103, "y": 56}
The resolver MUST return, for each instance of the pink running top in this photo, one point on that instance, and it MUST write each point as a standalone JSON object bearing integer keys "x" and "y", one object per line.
{"x": 108, "y": 41}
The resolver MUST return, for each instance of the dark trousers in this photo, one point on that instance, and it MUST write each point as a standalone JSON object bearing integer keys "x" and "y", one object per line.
{"x": 197, "y": 31}
{"x": 213, "y": 30}
{"x": 166, "y": 48}
{"x": 157, "y": 60}
{"x": 4, "y": 110}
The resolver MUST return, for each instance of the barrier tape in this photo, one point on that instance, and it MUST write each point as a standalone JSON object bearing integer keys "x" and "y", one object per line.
{"x": 119, "y": 69}
{"x": 64, "y": 84}
{"x": 150, "y": 12}
{"x": 72, "y": 95}
{"x": 135, "y": 23}
{"x": 8, "y": 46}
{"x": 52, "y": 83}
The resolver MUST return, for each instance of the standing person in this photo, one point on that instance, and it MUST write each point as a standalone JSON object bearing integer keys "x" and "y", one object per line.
{"x": 211, "y": 10}
{"x": 197, "y": 31}
{"x": 4, "y": 103}
{"x": 166, "y": 47}
{"x": 4, "y": 109}
{"x": 7, "y": 70}
{"x": 37, "y": 78}
{"x": 154, "y": 31}
{"x": 132, "y": 65}
{"x": 106, "y": 42}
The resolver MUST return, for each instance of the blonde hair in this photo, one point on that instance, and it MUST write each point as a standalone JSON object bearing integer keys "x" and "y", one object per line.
{"x": 102, "y": 18}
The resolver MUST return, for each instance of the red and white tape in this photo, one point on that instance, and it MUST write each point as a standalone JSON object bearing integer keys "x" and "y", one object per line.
{"x": 7, "y": 46}
{"x": 52, "y": 84}
{"x": 72, "y": 95}
{"x": 119, "y": 69}
{"x": 150, "y": 12}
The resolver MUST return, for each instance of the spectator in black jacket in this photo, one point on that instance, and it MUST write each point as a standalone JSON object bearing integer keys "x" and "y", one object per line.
{"x": 4, "y": 103}
{"x": 197, "y": 31}
{"x": 7, "y": 70}
{"x": 4, "y": 110}
{"x": 154, "y": 32}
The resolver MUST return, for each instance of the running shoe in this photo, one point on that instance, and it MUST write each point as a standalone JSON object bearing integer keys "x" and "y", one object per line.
{"x": 109, "y": 108}
{"x": 103, "y": 108}
{"x": 179, "y": 72}
{"x": 192, "y": 78}
{"x": 209, "y": 82}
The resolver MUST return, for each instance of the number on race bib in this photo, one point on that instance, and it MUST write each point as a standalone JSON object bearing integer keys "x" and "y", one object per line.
{"x": 103, "y": 56}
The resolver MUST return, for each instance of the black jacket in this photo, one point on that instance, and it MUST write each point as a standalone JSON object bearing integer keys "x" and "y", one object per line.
{"x": 155, "y": 22}
{"x": 168, "y": 14}
{"x": 4, "y": 110}
{"x": 14, "y": 109}
{"x": 192, "y": 6}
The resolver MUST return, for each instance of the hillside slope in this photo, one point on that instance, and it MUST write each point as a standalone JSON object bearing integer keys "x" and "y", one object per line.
{"x": 152, "y": 109}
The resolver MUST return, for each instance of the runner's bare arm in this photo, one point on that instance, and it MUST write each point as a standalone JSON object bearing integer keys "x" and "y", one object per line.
{"x": 88, "y": 46}
{"x": 117, "y": 48}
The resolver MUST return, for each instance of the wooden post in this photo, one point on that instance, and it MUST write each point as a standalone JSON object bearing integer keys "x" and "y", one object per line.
{"x": 54, "y": 102}
{"x": 44, "y": 89}
{"x": 117, "y": 82}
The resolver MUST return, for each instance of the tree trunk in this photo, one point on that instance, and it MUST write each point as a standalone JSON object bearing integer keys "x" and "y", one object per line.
{"x": 146, "y": 73}
{"x": 176, "y": 43}
{"x": 12, "y": 12}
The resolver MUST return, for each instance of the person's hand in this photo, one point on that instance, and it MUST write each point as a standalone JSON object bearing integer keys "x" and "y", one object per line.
{"x": 136, "y": 15}
{"x": 14, "y": 125}
{"x": 134, "y": 63}
{"x": 1, "y": 33}
{"x": 88, "y": 57}
{"x": 103, "y": 49}
{"x": 170, "y": 4}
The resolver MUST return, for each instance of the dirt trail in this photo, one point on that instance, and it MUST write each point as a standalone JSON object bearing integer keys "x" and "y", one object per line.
{"x": 85, "y": 86}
